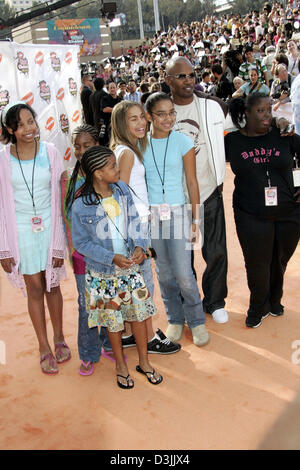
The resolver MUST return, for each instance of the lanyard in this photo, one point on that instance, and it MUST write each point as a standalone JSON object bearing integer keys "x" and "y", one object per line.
{"x": 32, "y": 178}
{"x": 162, "y": 179}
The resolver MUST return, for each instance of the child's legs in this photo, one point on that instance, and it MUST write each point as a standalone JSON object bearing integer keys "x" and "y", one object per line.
{"x": 55, "y": 306}
{"x": 115, "y": 339}
{"x": 35, "y": 287}
{"x": 89, "y": 346}
{"x": 146, "y": 270}
{"x": 139, "y": 330}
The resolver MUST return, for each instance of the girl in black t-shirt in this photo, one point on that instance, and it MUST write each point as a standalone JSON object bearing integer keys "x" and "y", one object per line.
{"x": 265, "y": 201}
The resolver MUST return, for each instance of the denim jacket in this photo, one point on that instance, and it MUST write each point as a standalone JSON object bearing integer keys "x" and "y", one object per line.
{"x": 91, "y": 234}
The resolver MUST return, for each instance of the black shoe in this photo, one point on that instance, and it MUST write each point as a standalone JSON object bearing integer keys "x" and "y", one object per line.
{"x": 128, "y": 342}
{"x": 160, "y": 344}
{"x": 253, "y": 322}
{"x": 276, "y": 314}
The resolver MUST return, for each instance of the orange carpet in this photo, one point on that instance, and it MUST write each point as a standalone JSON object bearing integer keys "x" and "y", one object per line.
{"x": 227, "y": 395}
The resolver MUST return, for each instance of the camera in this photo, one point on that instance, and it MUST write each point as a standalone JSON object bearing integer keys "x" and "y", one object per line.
{"x": 102, "y": 129}
{"x": 284, "y": 87}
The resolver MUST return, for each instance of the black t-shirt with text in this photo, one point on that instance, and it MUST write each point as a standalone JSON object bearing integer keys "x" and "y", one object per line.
{"x": 250, "y": 159}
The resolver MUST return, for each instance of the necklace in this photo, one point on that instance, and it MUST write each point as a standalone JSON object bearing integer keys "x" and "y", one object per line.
{"x": 32, "y": 177}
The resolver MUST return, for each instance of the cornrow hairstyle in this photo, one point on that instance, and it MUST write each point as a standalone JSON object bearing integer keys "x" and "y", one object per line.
{"x": 94, "y": 158}
{"x": 70, "y": 194}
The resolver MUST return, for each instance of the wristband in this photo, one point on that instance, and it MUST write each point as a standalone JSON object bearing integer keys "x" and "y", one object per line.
{"x": 196, "y": 221}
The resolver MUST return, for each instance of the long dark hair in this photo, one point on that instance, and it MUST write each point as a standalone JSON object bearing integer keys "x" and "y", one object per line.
{"x": 12, "y": 120}
{"x": 94, "y": 158}
{"x": 85, "y": 129}
{"x": 238, "y": 106}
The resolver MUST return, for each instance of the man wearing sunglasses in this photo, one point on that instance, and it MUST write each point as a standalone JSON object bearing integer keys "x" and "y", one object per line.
{"x": 202, "y": 117}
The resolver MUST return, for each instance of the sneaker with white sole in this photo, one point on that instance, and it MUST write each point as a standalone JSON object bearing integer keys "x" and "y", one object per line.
{"x": 128, "y": 342}
{"x": 174, "y": 332}
{"x": 200, "y": 335}
{"x": 160, "y": 344}
{"x": 220, "y": 315}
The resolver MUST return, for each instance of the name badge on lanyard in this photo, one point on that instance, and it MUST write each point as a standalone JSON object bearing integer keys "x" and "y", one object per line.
{"x": 164, "y": 211}
{"x": 296, "y": 174}
{"x": 271, "y": 198}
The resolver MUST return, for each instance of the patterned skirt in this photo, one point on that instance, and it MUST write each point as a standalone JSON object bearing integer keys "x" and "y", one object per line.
{"x": 112, "y": 299}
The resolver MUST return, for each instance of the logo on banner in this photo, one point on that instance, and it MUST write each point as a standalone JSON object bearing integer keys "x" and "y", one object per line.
{"x": 39, "y": 58}
{"x": 67, "y": 155}
{"x": 60, "y": 94}
{"x": 68, "y": 57}
{"x": 22, "y": 63}
{"x": 64, "y": 123}
{"x": 72, "y": 86}
{"x": 45, "y": 93}
{"x": 4, "y": 98}
{"x": 55, "y": 62}
{"x": 49, "y": 124}
{"x": 28, "y": 98}
{"x": 76, "y": 116}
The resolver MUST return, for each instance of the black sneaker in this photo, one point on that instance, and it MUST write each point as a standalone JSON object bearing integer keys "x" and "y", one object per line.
{"x": 277, "y": 314}
{"x": 128, "y": 342}
{"x": 160, "y": 344}
{"x": 253, "y": 322}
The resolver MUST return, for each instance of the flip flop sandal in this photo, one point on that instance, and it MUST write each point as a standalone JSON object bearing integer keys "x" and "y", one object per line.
{"x": 86, "y": 364}
{"x": 128, "y": 378}
{"x": 51, "y": 362}
{"x": 150, "y": 376}
{"x": 110, "y": 355}
{"x": 61, "y": 356}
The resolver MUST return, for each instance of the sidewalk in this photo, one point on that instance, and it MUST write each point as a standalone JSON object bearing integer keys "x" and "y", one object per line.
{"x": 226, "y": 395}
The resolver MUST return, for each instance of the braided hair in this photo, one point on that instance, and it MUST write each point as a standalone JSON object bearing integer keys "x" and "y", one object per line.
{"x": 94, "y": 158}
{"x": 84, "y": 129}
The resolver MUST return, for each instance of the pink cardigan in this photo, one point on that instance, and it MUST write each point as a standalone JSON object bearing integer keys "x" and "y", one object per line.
{"x": 8, "y": 221}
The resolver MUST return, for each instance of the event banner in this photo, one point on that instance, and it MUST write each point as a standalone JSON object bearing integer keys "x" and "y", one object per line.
{"x": 85, "y": 33}
{"x": 48, "y": 79}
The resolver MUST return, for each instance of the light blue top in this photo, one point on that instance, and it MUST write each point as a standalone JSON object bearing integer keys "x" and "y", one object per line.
{"x": 33, "y": 247}
{"x": 178, "y": 146}
{"x": 295, "y": 98}
{"x": 117, "y": 224}
{"x": 262, "y": 88}
{"x": 42, "y": 186}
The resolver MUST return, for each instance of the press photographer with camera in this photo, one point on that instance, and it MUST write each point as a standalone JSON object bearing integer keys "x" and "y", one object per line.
{"x": 281, "y": 87}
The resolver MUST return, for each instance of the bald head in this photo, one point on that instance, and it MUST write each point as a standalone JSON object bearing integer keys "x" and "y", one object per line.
{"x": 176, "y": 63}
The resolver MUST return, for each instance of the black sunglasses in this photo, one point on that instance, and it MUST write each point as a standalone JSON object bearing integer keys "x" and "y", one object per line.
{"x": 184, "y": 76}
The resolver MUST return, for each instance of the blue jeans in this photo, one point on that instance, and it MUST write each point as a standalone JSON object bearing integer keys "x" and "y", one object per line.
{"x": 89, "y": 339}
{"x": 178, "y": 284}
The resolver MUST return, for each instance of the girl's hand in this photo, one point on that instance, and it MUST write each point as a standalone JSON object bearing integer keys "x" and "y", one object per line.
{"x": 7, "y": 264}
{"x": 57, "y": 262}
{"x": 138, "y": 255}
{"x": 121, "y": 261}
{"x": 194, "y": 237}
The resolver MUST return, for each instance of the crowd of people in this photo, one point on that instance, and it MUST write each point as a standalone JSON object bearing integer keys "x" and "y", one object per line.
{"x": 148, "y": 181}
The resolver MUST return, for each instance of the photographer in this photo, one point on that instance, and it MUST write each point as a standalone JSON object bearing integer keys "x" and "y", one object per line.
{"x": 280, "y": 92}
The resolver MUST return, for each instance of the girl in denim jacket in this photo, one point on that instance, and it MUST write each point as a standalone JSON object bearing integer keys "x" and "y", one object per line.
{"x": 106, "y": 230}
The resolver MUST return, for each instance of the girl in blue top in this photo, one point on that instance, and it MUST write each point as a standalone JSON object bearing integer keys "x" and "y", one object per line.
{"x": 106, "y": 230}
{"x": 169, "y": 159}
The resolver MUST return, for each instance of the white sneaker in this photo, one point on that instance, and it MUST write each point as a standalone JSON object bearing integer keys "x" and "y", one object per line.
{"x": 174, "y": 332}
{"x": 220, "y": 315}
{"x": 200, "y": 335}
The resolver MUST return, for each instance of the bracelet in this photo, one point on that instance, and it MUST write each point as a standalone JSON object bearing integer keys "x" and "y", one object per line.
{"x": 196, "y": 221}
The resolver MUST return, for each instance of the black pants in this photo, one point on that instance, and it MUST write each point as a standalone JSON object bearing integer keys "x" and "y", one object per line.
{"x": 267, "y": 247}
{"x": 214, "y": 252}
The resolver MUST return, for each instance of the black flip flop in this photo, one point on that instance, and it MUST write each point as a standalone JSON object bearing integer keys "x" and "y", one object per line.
{"x": 127, "y": 380}
{"x": 150, "y": 375}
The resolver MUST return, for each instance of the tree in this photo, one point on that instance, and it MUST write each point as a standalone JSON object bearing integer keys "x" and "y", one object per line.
{"x": 246, "y": 6}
